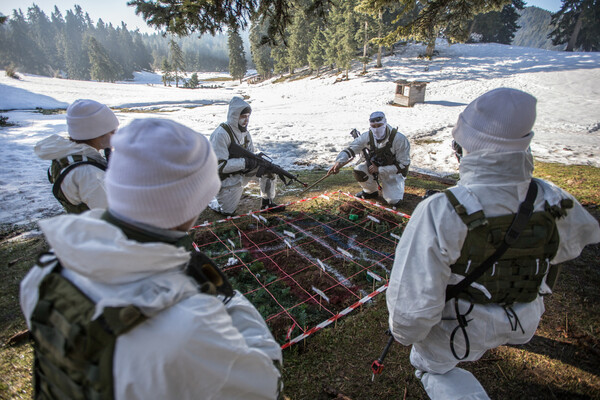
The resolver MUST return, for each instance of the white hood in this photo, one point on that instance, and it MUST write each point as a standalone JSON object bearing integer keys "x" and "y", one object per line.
{"x": 55, "y": 147}
{"x": 113, "y": 270}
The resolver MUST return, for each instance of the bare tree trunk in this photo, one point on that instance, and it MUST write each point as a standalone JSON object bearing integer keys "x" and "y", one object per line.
{"x": 380, "y": 33}
{"x": 430, "y": 48}
{"x": 573, "y": 38}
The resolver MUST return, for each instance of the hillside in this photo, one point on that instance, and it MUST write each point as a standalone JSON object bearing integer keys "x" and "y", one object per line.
{"x": 535, "y": 27}
{"x": 304, "y": 121}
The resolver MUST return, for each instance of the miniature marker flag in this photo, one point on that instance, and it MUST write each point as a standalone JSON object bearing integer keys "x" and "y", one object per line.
{"x": 263, "y": 219}
{"x": 321, "y": 264}
{"x": 255, "y": 217}
{"x": 325, "y": 197}
{"x": 373, "y": 219}
{"x": 287, "y": 243}
{"x": 290, "y": 234}
{"x": 395, "y": 236}
{"x": 344, "y": 252}
{"x": 374, "y": 276}
{"x": 231, "y": 243}
{"x": 320, "y": 293}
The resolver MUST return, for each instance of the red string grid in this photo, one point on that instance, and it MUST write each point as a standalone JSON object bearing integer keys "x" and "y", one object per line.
{"x": 308, "y": 266}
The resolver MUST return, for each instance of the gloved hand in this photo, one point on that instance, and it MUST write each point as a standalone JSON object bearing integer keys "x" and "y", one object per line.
{"x": 251, "y": 163}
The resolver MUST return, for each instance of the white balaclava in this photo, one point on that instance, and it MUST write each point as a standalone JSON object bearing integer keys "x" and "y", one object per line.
{"x": 378, "y": 118}
{"x": 88, "y": 119}
{"x": 161, "y": 173}
{"x": 499, "y": 120}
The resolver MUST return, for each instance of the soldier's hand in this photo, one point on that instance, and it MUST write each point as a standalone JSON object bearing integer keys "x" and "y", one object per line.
{"x": 373, "y": 169}
{"x": 334, "y": 169}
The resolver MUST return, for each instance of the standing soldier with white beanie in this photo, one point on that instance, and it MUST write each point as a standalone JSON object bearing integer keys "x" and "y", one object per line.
{"x": 77, "y": 170}
{"x": 389, "y": 153}
{"x": 451, "y": 234}
{"x": 124, "y": 307}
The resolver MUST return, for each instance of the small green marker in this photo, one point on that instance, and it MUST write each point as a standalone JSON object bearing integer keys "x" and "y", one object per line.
{"x": 353, "y": 217}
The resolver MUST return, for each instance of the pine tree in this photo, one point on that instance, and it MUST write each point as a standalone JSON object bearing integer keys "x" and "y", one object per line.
{"x": 497, "y": 26}
{"x": 301, "y": 36}
{"x": 167, "y": 76}
{"x": 316, "y": 52}
{"x": 427, "y": 20}
{"x": 237, "y": 55}
{"x": 177, "y": 62}
{"x": 102, "y": 68}
{"x": 577, "y": 24}
{"x": 193, "y": 82}
{"x": 260, "y": 51}
{"x": 76, "y": 58}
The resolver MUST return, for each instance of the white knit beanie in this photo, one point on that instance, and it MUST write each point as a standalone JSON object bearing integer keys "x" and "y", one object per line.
{"x": 88, "y": 119}
{"x": 161, "y": 173}
{"x": 500, "y": 120}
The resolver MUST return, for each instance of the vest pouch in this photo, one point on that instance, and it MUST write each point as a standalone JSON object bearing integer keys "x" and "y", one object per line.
{"x": 73, "y": 354}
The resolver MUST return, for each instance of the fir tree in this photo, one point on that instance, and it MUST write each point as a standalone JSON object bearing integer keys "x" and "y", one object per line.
{"x": 167, "y": 76}
{"x": 316, "y": 52}
{"x": 577, "y": 24}
{"x": 193, "y": 82}
{"x": 300, "y": 37}
{"x": 177, "y": 62}
{"x": 237, "y": 55}
{"x": 102, "y": 68}
{"x": 260, "y": 51}
{"x": 497, "y": 26}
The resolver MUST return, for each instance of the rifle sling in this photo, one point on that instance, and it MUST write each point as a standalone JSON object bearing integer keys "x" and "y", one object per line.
{"x": 518, "y": 224}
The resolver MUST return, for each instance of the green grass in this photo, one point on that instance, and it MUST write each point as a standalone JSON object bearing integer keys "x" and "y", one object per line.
{"x": 562, "y": 361}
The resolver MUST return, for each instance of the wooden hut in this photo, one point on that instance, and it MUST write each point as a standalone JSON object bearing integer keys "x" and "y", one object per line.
{"x": 409, "y": 93}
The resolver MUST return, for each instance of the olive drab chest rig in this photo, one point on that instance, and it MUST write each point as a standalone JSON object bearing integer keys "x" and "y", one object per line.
{"x": 58, "y": 171}
{"x": 507, "y": 258}
{"x": 383, "y": 156}
{"x": 232, "y": 138}
{"x": 73, "y": 353}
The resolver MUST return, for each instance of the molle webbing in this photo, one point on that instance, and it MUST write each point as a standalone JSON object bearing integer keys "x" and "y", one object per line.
{"x": 516, "y": 277}
{"x": 59, "y": 170}
{"x": 73, "y": 354}
{"x": 232, "y": 138}
{"x": 385, "y": 153}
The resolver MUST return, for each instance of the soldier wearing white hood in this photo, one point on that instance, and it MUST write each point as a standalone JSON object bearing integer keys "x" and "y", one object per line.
{"x": 77, "y": 170}
{"x": 445, "y": 240}
{"x": 390, "y": 154}
{"x": 114, "y": 312}
{"x": 235, "y": 173}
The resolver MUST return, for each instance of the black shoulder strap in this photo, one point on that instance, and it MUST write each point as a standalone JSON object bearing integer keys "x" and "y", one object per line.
{"x": 517, "y": 225}
{"x": 230, "y": 132}
{"x": 63, "y": 174}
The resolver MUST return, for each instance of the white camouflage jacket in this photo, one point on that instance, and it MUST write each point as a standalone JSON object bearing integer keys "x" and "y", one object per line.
{"x": 192, "y": 347}
{"x": 84, "y": 184}
{"x": 220, "y": 142}
{"x": 400, "y": 148}
{"x": 432, "y": 242}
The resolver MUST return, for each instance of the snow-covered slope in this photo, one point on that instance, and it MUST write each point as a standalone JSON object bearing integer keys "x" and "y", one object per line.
{"x": 304, "y": 123}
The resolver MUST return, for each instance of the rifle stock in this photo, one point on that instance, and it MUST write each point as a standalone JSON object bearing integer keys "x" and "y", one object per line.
{"x": 264, "y": 166}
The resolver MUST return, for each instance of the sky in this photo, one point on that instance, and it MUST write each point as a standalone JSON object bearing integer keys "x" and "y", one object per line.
{"x": 116, "y": 11}
{"x": 307, "y": 122}
{"x": 113, "y": 11}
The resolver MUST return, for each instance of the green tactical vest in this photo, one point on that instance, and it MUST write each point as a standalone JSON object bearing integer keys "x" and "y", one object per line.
{"x": 224, "y": 175}
{"x": 73, "y": 354}
{"x": 385, "y": 153}
{"x": 59, "y": 170}
{"x": 518, "y": 274}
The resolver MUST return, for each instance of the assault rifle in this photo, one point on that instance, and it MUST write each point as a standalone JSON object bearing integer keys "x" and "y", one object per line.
{"x": 265, "y": 166}
{"x": 367, "y": 156}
